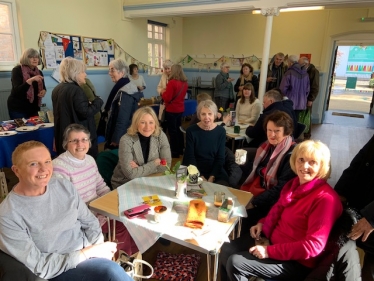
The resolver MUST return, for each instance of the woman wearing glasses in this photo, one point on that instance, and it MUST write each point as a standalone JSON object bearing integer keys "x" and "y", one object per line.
{"x": 81, "y": 170}
{"x": 28, "y": 87}
{"x": 70, "y": 104}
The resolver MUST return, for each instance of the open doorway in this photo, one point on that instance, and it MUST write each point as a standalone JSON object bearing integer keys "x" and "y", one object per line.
{"x": 350, "y": 98}
{"x": 350, "y": 88}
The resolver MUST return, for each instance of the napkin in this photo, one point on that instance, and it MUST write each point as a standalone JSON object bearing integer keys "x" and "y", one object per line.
{"x": 196, "y": 214}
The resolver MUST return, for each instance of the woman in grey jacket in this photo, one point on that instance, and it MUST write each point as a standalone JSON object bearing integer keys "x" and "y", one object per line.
{"x": 142, "y": 148}
{"x": 224, "y": 90}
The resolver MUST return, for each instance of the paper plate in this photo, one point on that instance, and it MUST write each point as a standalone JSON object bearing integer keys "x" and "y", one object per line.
{"x": 199, "y": 181}
{"x": 7, "y": 133}
{"x": 27, "y": 128}
{"x": 45, "y": 125}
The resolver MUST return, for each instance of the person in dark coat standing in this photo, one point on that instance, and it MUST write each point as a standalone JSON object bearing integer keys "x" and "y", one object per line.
{"x": 28, "y": 87}
{"x": 356, "y": 186}
{"x": 123, "y": 104}
{"x": 273, "y": 100}
{"x": 313, "y": 74}
{"x": 276, "y": 68}
{"x": 70, "y": 104}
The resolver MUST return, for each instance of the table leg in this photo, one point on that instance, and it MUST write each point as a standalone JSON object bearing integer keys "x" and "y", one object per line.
{"x": 233, "y": 146}
{"x": 109, "y": 232}
{"x": 208, "y": 257}
{"x": 215, "y": 266}
{"x": 114, "y": 230}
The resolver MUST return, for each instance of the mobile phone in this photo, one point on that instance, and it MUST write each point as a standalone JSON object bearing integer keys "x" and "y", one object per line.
{"x": 137, "y": 211}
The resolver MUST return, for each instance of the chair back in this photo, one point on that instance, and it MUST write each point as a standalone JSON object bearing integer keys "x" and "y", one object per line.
{"x": 299, "y": 130}
{"x": 106, "y": 162}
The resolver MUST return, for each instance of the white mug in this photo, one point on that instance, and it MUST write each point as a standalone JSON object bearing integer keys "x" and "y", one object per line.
{"x": 240, "y": 156}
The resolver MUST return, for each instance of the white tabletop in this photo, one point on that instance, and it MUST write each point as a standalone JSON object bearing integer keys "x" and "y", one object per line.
{"x": 146, "y": 232}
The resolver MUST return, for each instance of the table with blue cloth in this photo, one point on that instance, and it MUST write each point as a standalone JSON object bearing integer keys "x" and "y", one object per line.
{"x": 189, "y": 107}
{"x": 9, "y": 143}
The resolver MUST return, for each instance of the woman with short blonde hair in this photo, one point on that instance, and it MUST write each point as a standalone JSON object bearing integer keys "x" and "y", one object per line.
{"x": 141, "y": 149}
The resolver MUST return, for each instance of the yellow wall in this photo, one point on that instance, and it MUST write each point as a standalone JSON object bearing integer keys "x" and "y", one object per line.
{"x": 292, "y": 33}
{"x": 91, "y": 18}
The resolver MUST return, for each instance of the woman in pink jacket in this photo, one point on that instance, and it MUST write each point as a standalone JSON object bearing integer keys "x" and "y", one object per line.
{"x": 297, "y": 226}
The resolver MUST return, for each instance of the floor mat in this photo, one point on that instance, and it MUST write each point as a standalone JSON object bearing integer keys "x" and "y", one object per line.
{"x": 348, "y": 114}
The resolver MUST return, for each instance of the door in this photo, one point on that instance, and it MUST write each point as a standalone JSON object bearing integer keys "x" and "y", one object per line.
{"x": 332, "y": 78}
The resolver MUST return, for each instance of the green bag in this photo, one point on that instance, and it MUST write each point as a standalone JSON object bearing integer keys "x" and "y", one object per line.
{"x": 304, "y": 118}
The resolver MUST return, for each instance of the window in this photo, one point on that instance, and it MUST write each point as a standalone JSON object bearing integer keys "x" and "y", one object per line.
{"x": 9, "y": 35}
{"x": 156, "y": 43}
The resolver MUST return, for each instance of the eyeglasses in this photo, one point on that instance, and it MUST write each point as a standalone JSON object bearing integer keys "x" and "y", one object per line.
{"x": 111, "y": 70}
{"x": 76, "y": 141}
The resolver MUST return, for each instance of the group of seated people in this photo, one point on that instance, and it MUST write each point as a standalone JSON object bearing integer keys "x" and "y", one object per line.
{"x": 46, "y": 229}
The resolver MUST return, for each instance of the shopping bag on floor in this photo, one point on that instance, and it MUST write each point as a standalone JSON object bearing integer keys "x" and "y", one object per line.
{"x": 133, "y": 265}
{"x": 304, "y": 118}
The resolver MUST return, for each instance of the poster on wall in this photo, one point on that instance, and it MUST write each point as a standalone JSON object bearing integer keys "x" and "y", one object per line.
{"x": 94, "y": 52}
{"x": 309, "y": 56}
{"x": 360, "y": 60}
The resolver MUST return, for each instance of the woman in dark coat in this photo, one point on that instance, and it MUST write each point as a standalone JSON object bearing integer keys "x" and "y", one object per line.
{"x": 122, "y": 103}
{"x": 28, "y": 87}
{"x": 70, "y": 104}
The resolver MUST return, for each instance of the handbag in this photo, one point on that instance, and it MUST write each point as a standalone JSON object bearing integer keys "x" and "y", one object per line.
{"x": 304, "y": 118}
{"x": 101, "y": 128}
{"x": 161, "y": 112}
{"x": 133, "y": 265}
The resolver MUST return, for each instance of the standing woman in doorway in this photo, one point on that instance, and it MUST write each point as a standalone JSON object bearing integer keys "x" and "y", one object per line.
{"x": 28, "y": 87}
{"x": 174, "y": 107}
{"x": 135, "y": 78}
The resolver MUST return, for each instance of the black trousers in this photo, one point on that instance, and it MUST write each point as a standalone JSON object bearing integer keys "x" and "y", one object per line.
{"x": 174, "y": 121}
{"x": 12, "y": 270}
{"x": 241, "y": 264}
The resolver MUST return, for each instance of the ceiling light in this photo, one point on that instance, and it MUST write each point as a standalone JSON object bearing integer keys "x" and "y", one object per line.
{"x": 296, "y": 9}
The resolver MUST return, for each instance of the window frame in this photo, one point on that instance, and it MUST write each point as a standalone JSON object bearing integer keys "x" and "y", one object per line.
{"x": 153, "y": 58}
{"x": 7, "y": 65}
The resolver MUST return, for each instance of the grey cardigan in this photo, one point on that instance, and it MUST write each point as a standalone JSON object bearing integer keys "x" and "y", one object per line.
{"x": 131, "y": 150}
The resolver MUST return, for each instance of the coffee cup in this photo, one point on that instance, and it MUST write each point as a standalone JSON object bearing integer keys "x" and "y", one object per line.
{"x": 160, "y": 212}
{"x": 240, "y": 156}
{"x": 236, "y": 129}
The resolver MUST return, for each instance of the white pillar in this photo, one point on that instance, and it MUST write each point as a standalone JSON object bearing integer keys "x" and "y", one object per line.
{"x": 268, "y": 13}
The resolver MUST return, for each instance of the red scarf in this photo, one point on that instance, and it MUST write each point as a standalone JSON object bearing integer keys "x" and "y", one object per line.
{"x": 273, "y": 164}
{"x": 27, "y": 73}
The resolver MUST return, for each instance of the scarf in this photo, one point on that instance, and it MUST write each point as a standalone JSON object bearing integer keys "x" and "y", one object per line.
{"x": 278, "y": 73}
{"x": 243, "y": 81}
{"x": 291, "y": 193}
{"x": 27, "y": 73}
{"x": 270, "y": 177}
{"x": 120, "y": 83}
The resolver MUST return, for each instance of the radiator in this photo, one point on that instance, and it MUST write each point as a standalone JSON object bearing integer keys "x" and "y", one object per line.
{"x": 4, "y": 94}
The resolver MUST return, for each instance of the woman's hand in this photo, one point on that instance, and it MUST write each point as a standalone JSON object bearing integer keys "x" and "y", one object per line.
{"x": 133, "y": 164}
{"x": 113, "y": 143}
{"x": 41, "y": 94}
{"x": 226, "y": 119}
{"x": 259, "y": 252}
{"x": 157, "y": 162}
{"x": 140, "y": 88}
{"x": 104, "y": 250}
{"x": 219, "y": 115}
{"x": 204, "y": 179}
{"x": 211, "y": 179}
{"x": 256, "y": 231}
{"x": 230, "y": 79}
{"x": 36, "y": 78}
{"x": 241, "y": 88}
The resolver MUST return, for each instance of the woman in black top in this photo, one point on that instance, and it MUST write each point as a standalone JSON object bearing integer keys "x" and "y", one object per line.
{"x": 28, "y": 87}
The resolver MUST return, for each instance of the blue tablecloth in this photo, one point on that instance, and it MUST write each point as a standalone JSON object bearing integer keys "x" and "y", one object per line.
{"x": 8, "y": 144}
{"x": 189, "y": 107}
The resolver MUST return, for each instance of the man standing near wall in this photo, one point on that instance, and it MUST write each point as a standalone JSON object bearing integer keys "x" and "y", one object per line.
{"x": 313, "y": 74}
{"x": 295, "y": 85}
{"x": 277, "y": 67}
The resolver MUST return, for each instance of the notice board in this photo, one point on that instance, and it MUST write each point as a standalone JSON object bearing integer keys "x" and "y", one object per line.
{"x": 94, "y": 52}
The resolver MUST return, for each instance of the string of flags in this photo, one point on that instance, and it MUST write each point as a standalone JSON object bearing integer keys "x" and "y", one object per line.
{"x": 189, "y": 61}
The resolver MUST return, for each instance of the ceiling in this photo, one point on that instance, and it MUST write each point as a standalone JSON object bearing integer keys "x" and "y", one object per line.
{"x": 183, "y": 8}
